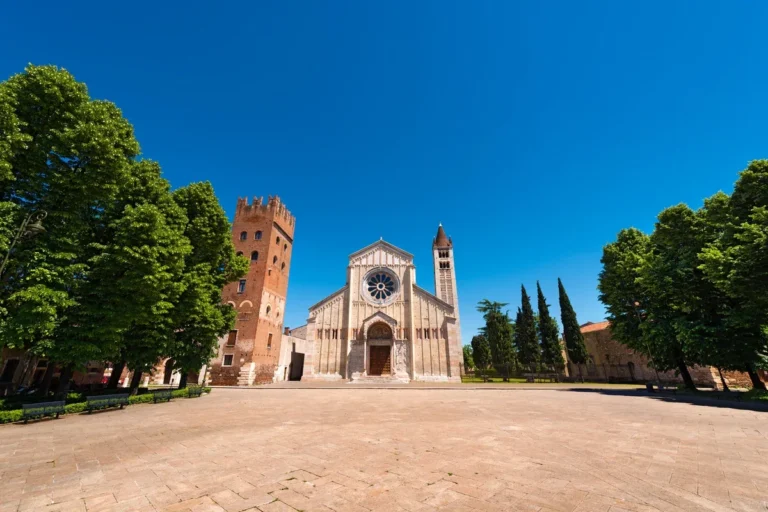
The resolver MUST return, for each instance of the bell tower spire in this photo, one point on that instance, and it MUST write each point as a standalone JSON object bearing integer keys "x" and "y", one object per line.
{"x": 445, "y": 273}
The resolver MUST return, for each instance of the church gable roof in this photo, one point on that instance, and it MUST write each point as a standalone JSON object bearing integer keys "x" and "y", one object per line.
{"x": 432, "y": 298}
{"x": 385, "y": 246}
{"x": 328, "y": 298}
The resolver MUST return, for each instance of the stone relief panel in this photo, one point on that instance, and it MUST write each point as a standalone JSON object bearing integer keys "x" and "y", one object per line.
{"x": 356, "y": 358}
{"x": 401, "y": 357}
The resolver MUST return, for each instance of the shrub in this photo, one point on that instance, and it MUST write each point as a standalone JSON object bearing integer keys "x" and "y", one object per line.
{"x": 140, "y": 399}
{"x": 180, "y": 393}
{"x": 10, "y": 416}
{"x": 74, "y": 408}
{"x": 756, "y": 394}
{"x": 75, "y": 397}
{"x": 207, "y": 390}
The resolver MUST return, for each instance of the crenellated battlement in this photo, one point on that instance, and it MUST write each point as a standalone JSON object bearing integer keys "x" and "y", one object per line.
{"x": 273, "y": 208}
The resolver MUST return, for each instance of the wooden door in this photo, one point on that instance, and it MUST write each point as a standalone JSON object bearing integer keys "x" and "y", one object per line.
{"x": 379, "y": 360}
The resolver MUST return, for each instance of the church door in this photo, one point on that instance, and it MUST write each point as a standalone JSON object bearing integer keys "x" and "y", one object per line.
{"x": 380, "y": 360}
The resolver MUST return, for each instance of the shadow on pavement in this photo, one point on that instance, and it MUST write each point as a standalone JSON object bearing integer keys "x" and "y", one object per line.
{"x": 679, "y": 398}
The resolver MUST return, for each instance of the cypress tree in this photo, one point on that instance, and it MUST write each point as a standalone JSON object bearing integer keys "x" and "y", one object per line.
{"x": 574, "y": 340}
{"x": 526, "y": 340}
{"x": 551, "y": 351}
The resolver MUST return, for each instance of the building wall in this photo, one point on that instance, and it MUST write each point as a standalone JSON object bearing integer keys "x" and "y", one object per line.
{"x": 261, "y": 304}
{"x": 611, "y": 360}
{"x": 293, "y": 340}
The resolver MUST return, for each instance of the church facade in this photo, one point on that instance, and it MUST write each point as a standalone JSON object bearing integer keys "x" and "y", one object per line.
{"x": 381, "y": 324}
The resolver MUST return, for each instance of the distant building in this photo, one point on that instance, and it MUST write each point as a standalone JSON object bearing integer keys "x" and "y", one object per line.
{"x": 381, "y": 325}
{"x": 612, "y": 361}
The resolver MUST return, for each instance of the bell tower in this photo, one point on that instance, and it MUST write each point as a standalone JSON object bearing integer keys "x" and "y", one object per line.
{"x": 445, "y": 273}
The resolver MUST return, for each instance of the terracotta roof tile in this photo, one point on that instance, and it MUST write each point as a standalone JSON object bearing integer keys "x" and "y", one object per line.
{"x": 599, "y": 326}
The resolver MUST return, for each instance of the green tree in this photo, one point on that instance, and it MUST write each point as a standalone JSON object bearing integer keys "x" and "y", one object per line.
{"x": 200, "y": 318}
{"x": 68, "y": 155}
{"x": 481, "y": 352}
{"x": 551, "y": 351}
{"x": 636, "y": 310}
{"x": 469, "y": 361}
{"x": 137, "y": 273}
{"x": 526, "y": 339}
{"x": 574, "y": 339}
{"x": 734, "y": 261}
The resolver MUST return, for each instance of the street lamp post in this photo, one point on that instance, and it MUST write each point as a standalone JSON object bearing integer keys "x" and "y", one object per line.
{"x": 30, "y": 226}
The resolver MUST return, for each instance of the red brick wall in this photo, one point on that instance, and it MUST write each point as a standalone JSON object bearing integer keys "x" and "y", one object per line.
{"x": 266, "y": 285}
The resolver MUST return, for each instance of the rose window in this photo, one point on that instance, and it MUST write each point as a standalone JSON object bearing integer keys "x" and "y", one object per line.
{"x": 381, "y": 286}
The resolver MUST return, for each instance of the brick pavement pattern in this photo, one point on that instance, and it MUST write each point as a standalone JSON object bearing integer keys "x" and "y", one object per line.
{"x": 395, "y": 450}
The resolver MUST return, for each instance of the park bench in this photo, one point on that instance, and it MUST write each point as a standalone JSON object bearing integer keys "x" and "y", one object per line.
{"x": 41, "y": 409}
{"x": 161, "y": 394}
{"x": 105, "y": 402}
{"x": 195, "y": 391}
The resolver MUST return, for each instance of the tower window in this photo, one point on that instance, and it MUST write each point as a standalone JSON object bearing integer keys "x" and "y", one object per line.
{"x": 241, "y": 286}
{"x": 269, "y": 341}
{"x": 239, "y": 253}
{"x": 255, "y": 256}
{"x": 285, "y": 247}
{"x": 277, "y": 240}
{"x": 244, "y": 235}
{"x": 274, "y": 260}
{"x": 228, "y": 360}
{"x": 232, "y": 338}
{"x": 282, "y": 266}
{"x": 269, "y": 310}
{"x": 257, "y": 236}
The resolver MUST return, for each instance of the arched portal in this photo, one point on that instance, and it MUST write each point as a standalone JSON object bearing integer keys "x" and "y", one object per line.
{"x": 379, "y": 349}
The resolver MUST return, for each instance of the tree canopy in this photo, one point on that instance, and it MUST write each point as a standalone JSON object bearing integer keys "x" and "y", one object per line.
{"x": 126, "y": 270}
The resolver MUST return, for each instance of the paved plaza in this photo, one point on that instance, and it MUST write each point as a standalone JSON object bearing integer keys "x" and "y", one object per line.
{"x": 409, "y": 449}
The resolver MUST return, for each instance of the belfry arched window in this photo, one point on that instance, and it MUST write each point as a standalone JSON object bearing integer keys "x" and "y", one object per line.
{"x": 244, "y": 235}
{"x": 255, "y": 256}
{"x": 257, "y": 236}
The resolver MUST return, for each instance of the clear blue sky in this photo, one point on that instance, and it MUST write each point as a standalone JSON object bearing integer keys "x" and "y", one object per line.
{"x": 533, "y": 131}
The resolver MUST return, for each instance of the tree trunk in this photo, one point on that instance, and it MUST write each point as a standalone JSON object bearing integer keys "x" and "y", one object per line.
{"x": 64, "y": 378}
{"x": 117, "y": 371}
{"x": 183, "y": 380}
{"x": 755, "y": 378}
{"x": 722, "y": 380}
{"x": 135, "y": 381}
{"x": 687, "y": 379}
{"x": 45, "y": 384}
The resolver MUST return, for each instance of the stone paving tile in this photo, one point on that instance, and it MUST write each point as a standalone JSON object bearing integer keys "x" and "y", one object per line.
{"x": 412, "y": 450}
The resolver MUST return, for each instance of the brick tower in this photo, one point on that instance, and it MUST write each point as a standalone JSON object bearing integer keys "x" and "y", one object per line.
{"x": 445, "y": 274}
{"x": 263, "y": 233}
